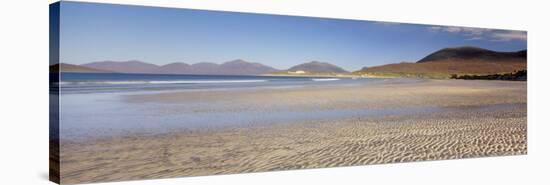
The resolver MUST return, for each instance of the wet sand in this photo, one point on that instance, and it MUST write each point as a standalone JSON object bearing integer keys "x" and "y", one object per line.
{"x": 478, "y": 119}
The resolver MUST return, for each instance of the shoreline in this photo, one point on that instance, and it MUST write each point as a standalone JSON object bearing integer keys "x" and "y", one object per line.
{"x": 354, "y": 75}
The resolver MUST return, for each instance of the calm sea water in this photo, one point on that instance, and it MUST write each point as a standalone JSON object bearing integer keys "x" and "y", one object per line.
{"x": 116, "y": 82}
{"x": 92, "y": 105}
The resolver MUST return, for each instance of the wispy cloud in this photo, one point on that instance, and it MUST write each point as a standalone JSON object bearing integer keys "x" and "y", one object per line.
{"x": 387, "y": 23}
{"x": 475, "y": 38}
{"x": 481, "y": 33}
{"x": 435, "y": 28}
{"x": 510, "y": 35}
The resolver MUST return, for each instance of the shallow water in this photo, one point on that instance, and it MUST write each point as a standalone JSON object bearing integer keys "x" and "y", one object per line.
{"x": 89, "y": 114}
{"x": 77, "y": 83}
{"x": 92, "y": 114}
{"x": 106, "y": 115}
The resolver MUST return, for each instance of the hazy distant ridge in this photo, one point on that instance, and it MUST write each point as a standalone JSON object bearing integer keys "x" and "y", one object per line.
{"x": 132, "y": 66}
{"x": 234, "y": 67}
{"x": 74, "y": 68}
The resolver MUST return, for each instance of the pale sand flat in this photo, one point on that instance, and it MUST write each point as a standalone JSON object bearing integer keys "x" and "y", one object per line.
{"x": 468, "y": 132}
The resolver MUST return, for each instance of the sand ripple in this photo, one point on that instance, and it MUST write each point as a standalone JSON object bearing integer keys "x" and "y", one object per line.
{"x": 472, "y": 127}
{"x": 298, "y": 146}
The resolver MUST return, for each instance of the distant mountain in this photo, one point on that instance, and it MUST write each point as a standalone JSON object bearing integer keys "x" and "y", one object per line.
{"x": 244, "y": 67}
{"x": 472, "y": 53}
{"x": 204, "y": 68}
{"x": 132, "y": 66}
{"x": 317, "y": 67}
{"x": 234, "y": 67}
{"x": 455, "y": 61}
{"x": 62, "y": 67}
{"x": 173, "y": 68}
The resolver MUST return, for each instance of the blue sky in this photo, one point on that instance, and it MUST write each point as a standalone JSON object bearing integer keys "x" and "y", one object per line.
{"x": 96, "y": 32}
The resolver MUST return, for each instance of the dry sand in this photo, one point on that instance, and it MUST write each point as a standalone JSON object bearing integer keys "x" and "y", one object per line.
{"x": 487, "y": 118}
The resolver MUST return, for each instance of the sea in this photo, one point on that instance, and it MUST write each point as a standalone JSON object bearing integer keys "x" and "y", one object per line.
{"x": 92, "y": 105}
{"x": 70, "y": 83}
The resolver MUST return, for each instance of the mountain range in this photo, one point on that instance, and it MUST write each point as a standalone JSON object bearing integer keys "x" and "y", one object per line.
{"x": 234, "y": 67}
{"x": 439, "y": 64}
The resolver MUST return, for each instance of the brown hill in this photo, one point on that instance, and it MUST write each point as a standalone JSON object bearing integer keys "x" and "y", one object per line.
{"x": 472, "y": 53}
{"x": 455, "y": 61}
{"x": 74, "y": 68}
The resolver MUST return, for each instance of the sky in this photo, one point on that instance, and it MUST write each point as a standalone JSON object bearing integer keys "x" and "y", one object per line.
{"x": 92, "y": 32}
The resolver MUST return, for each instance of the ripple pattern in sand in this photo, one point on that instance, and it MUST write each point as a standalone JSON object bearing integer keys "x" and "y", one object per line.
{"x": 356, "y": 141}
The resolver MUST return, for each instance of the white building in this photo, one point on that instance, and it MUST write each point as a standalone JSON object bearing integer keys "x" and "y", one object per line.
{"x": 298, "y": 72}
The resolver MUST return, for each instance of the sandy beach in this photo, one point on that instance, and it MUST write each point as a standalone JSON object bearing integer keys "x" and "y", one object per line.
{"x": 393, "y": 120}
